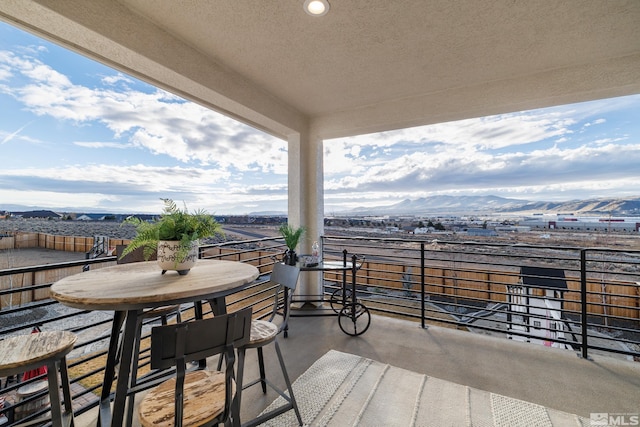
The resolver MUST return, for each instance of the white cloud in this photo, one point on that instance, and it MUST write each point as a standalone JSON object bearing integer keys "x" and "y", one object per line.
{"x": 485, "y": 133}
{"x": 52, "y": 199}
{"x": 158, "y": 121}
{"x": 152, "y": 178}
{"x": 115, "y": 79}
{"x": 98, "y": 145}
{"x": 504, "y": 154}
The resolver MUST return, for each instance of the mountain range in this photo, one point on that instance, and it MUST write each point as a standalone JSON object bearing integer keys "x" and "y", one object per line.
{"x": 464, "y": 205}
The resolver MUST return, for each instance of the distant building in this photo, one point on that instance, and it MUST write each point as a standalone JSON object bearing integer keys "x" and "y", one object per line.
{"x": 96, "y": 217}
{"x": 512, "y": 228}
{"x": 583, "y": 223}
{"x": 41, "y": 214}
{"x": 422, "y": 230}
{"x": 485, "y": 232}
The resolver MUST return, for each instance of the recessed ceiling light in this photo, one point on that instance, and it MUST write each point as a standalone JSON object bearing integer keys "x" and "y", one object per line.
{"x": 316, "y": 7}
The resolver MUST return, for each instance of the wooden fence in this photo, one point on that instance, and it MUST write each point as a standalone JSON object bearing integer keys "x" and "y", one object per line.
{"x": 22, "y": 240}
{"x": 610, "y": 297}
{"x": 29, "y": 280}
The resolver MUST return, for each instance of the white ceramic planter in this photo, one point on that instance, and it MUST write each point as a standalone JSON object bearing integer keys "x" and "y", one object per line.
{"x": 168, "y": 256}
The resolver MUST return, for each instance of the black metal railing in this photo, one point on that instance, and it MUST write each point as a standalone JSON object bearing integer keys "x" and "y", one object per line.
{"x": 505, "y": 289}
{"x": 593, "y": 307}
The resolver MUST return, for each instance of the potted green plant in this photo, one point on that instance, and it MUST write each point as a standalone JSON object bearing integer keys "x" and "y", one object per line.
{"x": 291, "y": 238}
{"x": 175, "y": 236}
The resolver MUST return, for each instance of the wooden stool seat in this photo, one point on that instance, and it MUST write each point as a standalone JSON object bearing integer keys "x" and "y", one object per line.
{"x": 157, "y": 407}
{"x": 165, "y": 310}
{"x": 26, "y": 352}
{"x": 262, "y": 332}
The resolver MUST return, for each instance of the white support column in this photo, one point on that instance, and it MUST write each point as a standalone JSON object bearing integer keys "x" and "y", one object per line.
{"x": 295, "y": 185}
{"x": 306, "y": 200}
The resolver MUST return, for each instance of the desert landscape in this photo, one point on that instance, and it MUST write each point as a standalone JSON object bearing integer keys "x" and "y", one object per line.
{"x": 12, "y": 258}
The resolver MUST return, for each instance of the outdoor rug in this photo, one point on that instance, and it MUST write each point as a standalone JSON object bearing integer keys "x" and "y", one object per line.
{"x": 342, "y": 389}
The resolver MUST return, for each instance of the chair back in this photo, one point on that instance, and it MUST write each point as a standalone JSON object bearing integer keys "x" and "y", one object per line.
{"x": 198, "y": 339}
{"x": 178, "y": 344}
{"x": 285, "y": 277}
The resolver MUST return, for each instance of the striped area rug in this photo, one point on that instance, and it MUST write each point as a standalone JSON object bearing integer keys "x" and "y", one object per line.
{"x": 342, "y": 389}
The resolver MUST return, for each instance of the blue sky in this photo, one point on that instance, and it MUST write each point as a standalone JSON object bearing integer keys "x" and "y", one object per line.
{"x": 77, "y": 135}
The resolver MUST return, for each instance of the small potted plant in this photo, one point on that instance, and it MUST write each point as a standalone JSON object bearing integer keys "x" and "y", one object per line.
{"x": 175, "y": 236}
{"x": 291, "y": 238}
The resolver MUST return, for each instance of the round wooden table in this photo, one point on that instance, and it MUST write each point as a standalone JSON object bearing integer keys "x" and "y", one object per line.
{"x": 141, "y": 285}
{"x": 128, "y": 289}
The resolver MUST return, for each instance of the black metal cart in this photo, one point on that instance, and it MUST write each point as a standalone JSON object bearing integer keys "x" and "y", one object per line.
{"x": 354, "y": 317}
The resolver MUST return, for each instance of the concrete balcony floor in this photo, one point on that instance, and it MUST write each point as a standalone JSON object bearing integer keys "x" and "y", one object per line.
{"x": 557, "y": 379}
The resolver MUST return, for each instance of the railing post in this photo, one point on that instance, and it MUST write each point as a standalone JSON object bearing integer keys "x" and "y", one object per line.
{"x": 354, "y": 273}
{"x": 86, "y": 267}
{"x": 583, "y": 301}
{"x": 422, "y": 292}
{"x": 344, "y": 273}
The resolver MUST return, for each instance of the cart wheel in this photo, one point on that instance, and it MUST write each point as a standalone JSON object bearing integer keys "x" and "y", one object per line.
{"x": 336, "y": 300}
{"x": 354, "y": 319}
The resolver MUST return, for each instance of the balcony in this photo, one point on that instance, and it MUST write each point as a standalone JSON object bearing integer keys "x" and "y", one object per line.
{"x": 443, "y": 309}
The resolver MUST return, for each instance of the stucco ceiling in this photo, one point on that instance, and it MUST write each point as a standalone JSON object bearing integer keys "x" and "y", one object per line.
{"x": 368, "y": 65}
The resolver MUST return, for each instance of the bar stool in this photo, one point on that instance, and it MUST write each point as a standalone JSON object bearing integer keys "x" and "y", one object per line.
{"x": 264, "y": 332}
{"x": 25, "y": 352}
